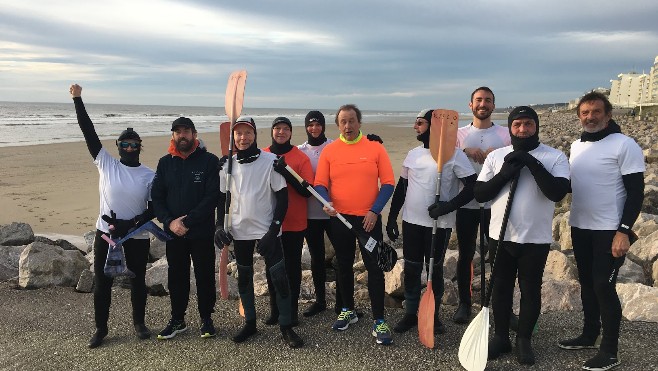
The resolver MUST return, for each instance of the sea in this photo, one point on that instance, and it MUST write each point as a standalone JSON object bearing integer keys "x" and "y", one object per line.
{"x": 28, "y": 123}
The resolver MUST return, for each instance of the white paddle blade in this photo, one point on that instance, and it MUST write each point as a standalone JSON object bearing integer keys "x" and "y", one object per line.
{"x": 474, "y": 346}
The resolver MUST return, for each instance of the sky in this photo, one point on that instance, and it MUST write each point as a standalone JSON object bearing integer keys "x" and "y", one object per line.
{"x": 379, "y": 54}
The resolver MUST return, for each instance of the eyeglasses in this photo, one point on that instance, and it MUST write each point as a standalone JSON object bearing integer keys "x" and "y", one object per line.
{"x": 125, "y": 145}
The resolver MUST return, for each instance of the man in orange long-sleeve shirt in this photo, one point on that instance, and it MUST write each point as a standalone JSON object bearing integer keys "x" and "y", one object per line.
{"x": 349, "y": 173}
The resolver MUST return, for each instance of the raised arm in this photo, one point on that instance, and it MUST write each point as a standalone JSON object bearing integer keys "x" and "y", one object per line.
{"x": 87, "y": 127}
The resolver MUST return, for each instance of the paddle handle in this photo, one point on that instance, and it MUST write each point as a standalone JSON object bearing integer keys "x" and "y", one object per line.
{"x": 503, "y": 228}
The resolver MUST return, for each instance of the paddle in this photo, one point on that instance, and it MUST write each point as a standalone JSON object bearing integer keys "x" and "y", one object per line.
{"x": 233, "y": 106}
{"x": 224, "y": 139}
{"x": 443, "y": 138}
{"x": 482, "y": 252}
{"x": 386, "y": 255}
{"x": 474, "y": 346}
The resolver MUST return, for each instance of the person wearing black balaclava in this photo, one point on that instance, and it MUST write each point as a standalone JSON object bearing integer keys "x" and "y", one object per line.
{"x": 294, "y": 224}
{"x": 415, "y": 195}
{"x": 607, "y": 181}
{"x": 543, "y": 179}
{"x": 124, "y": 189}
{"x": 259, "y": 203}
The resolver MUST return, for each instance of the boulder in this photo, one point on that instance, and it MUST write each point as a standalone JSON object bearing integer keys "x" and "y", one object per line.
{"x": 559, "y": 267}
{"x": 16, "y": 234}
{"x": 85, "y": 282}
{"x": 157, "y": 249}
{"x": 654, "y": 273}
{"x": 394, "y": 280}
{"x": 89, "y": 240}
{"x": 638, "y": 302}
{"x": 306, "y": 258}
{"x": 9, "y": 259}
{"x": 43, "y": 265}
{"x": 156, "y": 276}
{"x": 650, "y": 204}
{"x": 631, "y": 272}
{"x": 645, "y": 250}
{"x": 450, "y": 264}
{"x": 450, "y": 293}
{"x": 556, "y": 295}
{"x": 565, "y": 232}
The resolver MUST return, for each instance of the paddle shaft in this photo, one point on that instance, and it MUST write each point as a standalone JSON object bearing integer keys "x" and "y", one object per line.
{"x": 503, "y": 227}
{"x": 482, "y": 252}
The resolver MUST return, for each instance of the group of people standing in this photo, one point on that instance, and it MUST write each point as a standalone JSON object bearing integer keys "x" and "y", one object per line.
{"x": 272, "y": 213}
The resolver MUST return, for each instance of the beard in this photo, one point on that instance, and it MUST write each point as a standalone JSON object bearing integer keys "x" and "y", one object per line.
{"x": 184, "y": 145}
{"x": 482, "y": 115}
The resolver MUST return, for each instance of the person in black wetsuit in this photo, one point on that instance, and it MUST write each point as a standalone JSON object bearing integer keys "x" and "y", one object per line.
{"x": 124, "y": 188}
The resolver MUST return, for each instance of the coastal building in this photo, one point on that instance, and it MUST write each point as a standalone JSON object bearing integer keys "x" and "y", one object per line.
{"x": 653, "y": 82}
{"x": 629, "y": 90}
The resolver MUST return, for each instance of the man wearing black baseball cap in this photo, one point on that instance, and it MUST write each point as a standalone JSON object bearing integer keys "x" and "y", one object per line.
{"x": 185, "y": 193}
{"x": 543, "y": 179}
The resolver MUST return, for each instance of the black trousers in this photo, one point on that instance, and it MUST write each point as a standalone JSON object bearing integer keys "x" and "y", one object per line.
{"x": 528, "y": 260}
{"x": 467, "y": 226}
{"x": 416, "y": 246}
{"x": 315, "y": 231}
{"x": 201, "y": 252}
{"x": 137, "y": 253}
{"x": 601, "y": 305}
{"x": 292, "y": 243}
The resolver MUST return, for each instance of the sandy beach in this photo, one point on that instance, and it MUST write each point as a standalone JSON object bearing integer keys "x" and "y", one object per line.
{"x": 54, "y": 187}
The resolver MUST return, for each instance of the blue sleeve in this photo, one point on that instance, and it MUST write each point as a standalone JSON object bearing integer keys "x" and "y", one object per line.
{"x": 385, "y": 192}
{"x": 323, "y": 191}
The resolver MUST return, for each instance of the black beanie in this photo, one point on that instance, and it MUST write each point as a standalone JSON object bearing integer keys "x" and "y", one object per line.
{"x": 129, "y": 133}
{"x": 523, "y": 144}
{"x": 282, "y": 120}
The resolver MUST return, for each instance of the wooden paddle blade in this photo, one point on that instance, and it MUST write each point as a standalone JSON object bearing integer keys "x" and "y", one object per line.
{"x": 443, "y": 135}
{"x": 426, "y": 317}
{"x": 235, "y": 94}
{"x": 223, "y": 280}
{"x": 224, "y": 137}
{"x": 474, "y": 346}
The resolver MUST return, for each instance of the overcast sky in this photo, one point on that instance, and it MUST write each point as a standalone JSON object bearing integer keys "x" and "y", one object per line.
{"x": 386, "y": 54}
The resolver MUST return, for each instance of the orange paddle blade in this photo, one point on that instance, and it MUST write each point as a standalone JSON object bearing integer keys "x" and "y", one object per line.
{"x": 224, "y": 136}
{"x": 235, "y": 94}
{"x": 240, "y": 308}
{"x": 426, "y": 317}
{"x": 443, "y": 135}
{"x": 223, "y": 280}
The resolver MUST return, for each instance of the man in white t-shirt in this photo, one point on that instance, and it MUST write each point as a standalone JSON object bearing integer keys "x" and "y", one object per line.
{"x": 543, "y": 179}
{"x": 607, "y": 181}
{"x": 477, "y": 140}
{"x": 415, "y": 195}
{"x": 259, "y": 201}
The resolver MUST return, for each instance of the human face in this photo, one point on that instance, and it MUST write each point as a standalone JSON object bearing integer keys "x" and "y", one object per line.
{"x": 314, "y": 128}
{"x": 184, "y": 138}
{"x": 281, "y": 133}
{"x": 244, "y": 136}
{"x": 348, "y": 124}
{"x": 523, "y": 127}
{"x": 593, "y": 117}
{"x": 421, "y": 125}
{"x": 482, "y": 104}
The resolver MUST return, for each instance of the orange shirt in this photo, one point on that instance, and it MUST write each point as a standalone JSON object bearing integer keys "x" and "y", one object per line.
{"x": 295, "y": 219}
{"x": 352, "y": 174}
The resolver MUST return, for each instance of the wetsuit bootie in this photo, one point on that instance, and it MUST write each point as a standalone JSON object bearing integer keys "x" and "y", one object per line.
{"x": 315, "y": 308}
{"x": 97, "y": 339}
{"x": 247, "y": 331}
{"x": 407, "y": 322}
{"x": 142, "y": 331}
{"x": 292, "y": 339}
{"x": 524, "y": 353}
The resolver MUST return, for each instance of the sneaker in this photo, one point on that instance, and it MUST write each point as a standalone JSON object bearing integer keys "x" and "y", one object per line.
{"x": 405, "y": 324}
{"x": 207, "y": 328}
{"x": 602, "y": 361}
{"x": 174, "y": 328}
{"x": 382, "y": 332}
{"x": 345, "y": 319}
{"x": 463, "y": 314}
{"x": 581, "y": 342}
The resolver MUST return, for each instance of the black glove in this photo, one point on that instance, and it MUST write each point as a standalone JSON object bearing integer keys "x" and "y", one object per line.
{"x": 510, "y": 169}
{"x": 524, "y": 158}
{"x": 374, "y": 138}
{"x": 222, "y": 237}
{"x": 221, "y": 163}
{"x": 267, "y": 242}
{"x": 439, "y": 208}
{"x": 118, "y": 227}
{"x": 392, "y": 230}
{"x": 280, "y": 165}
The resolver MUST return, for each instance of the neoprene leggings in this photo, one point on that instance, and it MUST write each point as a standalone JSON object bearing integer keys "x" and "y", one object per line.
{"x": 180, "y": 251}
{"x": 344, "y": 243}
{"x": 315, "y": 231}
{"x": 292, "y": 242}
{"x": 601, "y": 306}
{"x": 137, "y": 253}
{"x": 528, "y": 260}
{"x": 467, "y": 226}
